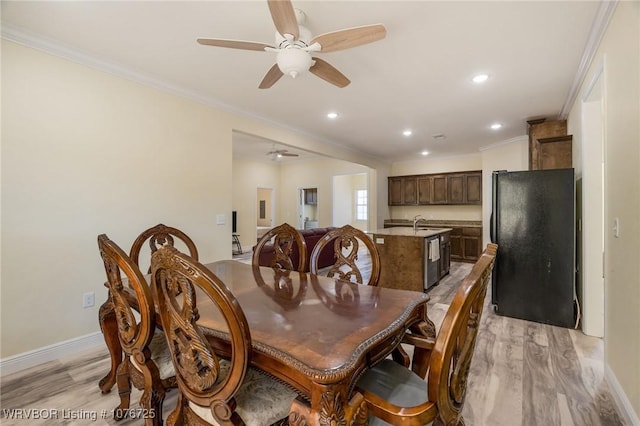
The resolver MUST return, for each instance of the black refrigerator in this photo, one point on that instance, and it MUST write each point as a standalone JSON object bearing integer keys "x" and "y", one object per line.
{"x": 532, "y": 222}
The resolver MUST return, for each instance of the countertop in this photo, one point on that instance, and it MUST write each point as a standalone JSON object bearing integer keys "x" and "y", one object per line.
{"x": 436, "y": 223}
{"x": 407, "y": 231}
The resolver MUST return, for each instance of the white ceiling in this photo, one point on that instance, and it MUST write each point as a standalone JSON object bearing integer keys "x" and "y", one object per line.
{"x": 418, "y": 77}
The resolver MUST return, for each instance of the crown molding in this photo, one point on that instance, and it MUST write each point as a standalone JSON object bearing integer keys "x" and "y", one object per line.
{"x": 598, "y": 28}
{"x": 523, "y": 138}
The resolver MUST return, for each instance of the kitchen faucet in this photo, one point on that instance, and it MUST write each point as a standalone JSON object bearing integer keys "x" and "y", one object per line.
{"x": 417, "y": 219}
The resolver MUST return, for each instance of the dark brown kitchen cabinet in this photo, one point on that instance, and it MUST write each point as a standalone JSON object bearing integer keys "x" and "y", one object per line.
{"x": 471, "y": 244}
{"x": 445, "y": 254}
{"x": 444, "y": 188}
{"x": 425, "y": 189}
{"x": 395, "y": 191}
{"x": 466, "y": 244}
{"x": 473, "y": 185}
{"x": 311, "y": 196}
{"x": 464, "y": 188}
{"x": 455, "y": 189}
{"x": 439, "y": 190}
{"x": 409, "y": 190}
{"x": 402, "y": 190}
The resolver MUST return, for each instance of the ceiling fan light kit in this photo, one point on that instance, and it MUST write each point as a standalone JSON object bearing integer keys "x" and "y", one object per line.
{"x": 295, "y": 43}
{"x": 294, "y": 62}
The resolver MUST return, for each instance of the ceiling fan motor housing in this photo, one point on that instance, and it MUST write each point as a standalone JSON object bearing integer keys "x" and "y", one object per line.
{"x": 293, "y": 61}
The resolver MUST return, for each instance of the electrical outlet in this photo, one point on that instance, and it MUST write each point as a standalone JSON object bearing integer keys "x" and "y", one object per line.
{"x": 88, "y": 299}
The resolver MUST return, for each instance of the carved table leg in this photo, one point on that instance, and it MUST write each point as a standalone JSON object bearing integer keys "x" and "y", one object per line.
{"x": 329, "y": 408}
{"x": 109, "y": 328}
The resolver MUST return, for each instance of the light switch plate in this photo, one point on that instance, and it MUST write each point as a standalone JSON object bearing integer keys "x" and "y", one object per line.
{"x": 220, "y": 219}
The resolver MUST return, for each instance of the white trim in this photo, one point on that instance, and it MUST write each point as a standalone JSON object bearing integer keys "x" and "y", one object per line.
{"x": 620, "y": 398}
{"x": 598, "y": 28}
{"x": 523, "y": 138}
{"x": 596, "y": 76}
{"x": 44, "y": 354}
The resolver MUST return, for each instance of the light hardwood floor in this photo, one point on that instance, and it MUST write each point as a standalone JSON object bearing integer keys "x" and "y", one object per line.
{"x": 523, "y": 373}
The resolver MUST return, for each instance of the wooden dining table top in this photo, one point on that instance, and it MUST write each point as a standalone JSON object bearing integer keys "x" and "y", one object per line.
{"x": 323, "y": 323}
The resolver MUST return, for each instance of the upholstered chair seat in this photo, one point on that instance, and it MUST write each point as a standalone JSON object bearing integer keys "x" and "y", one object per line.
{"x": 261, "y": 399}
{"x": 395, "y": 384}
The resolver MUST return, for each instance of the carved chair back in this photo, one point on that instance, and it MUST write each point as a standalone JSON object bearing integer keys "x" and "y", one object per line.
{"x": 159, "y": 236}
{"x": 347, "y": 242}
{"x": 211, "y": 388}
{"x": 135, "y": 317}
{"x": 448, "y": 362}
{"x": 283, "y": 238}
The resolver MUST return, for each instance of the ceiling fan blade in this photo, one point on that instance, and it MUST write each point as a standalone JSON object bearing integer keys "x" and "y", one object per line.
{"x": 351, "y": 37}
{"x": 271, "y": 77}
{"x": 284, "y": 17}
{"x": 328, "y": 73}
{"x": 233, "y": 44}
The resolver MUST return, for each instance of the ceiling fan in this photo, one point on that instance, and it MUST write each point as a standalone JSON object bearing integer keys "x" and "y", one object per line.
{"x": 294, "y": 44}
{"x": 279, "y": 153}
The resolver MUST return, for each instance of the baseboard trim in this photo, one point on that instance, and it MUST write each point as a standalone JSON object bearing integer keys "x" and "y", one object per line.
{"x": 629, "y": 415}
{"x": 58, "y": 350}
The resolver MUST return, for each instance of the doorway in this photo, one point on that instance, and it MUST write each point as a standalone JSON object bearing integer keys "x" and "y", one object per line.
{"x": 593, "y": 214}
{"x": 264, "y": 213}
{"x": 307, "y": 208}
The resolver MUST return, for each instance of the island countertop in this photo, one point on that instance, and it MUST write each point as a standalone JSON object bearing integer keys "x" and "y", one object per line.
{"x": 407, "y": 231}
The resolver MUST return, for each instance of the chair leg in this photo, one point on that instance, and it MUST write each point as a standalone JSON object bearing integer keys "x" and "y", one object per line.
{"x": 151, "y": 403}
{"x": 176, "y": 418}
{"x": 123, "y": 381}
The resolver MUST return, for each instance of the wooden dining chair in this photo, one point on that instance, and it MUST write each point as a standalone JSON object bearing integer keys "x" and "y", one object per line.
{"x": 158, "y": 236}
{"x": 347, "y": 242}
{"x": 147, "y": 362}
{"x": 213, "y": 390}
{"x": 398, "y": 395}
{"x": 290, "y": 248}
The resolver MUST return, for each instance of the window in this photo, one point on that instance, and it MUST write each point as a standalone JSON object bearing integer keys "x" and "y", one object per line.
{"x": 361, "y": 204}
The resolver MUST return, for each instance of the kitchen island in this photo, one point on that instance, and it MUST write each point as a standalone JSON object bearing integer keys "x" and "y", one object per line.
{"x": 412, "y": 260}
{"x": 466, "y": 236}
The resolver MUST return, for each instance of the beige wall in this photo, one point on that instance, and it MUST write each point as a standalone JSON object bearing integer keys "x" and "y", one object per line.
{"x": 619, "y": 55}
{"x": 85, "y": 152}
{"x": 512, "y": 155}
{"x": 344, "y": 203}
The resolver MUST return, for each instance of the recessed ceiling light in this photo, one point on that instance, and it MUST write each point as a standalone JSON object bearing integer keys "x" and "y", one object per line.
{"x": 407, "y": 132}
{"x": 496, "y": 126}
{"x": 480, "y": 78}
{"x": 332, "y": 115}
{"x": 425, "y": 153}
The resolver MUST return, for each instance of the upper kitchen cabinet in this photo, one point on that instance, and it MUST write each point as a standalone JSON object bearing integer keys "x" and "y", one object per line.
{"x": 444, "y": 188}
{"x": 402, "y": 190}
{"x": 549, "y": 145}
{"x": 425, "y": 189}
{"x": 311, "y": 196}
{"x": 464, "y": 188}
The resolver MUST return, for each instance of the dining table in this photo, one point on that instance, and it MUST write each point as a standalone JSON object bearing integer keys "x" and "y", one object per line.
{"x": 315, "y": 333}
